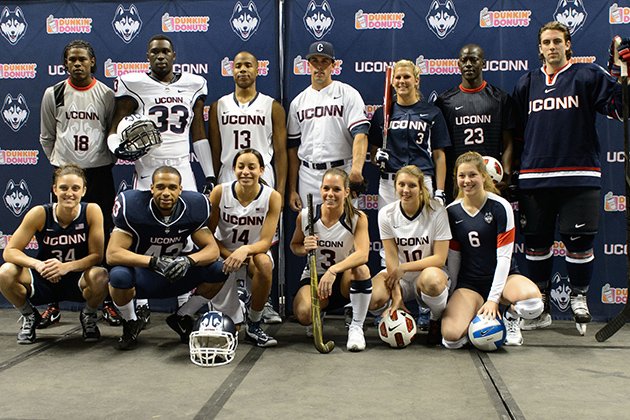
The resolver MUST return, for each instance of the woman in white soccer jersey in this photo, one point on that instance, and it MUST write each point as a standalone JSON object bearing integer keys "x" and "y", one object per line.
{"x": 244, "y": 217}
{"x": 342, "y": 245}
{"x": 480, "y": 258}
{"x": 415, "y": 234}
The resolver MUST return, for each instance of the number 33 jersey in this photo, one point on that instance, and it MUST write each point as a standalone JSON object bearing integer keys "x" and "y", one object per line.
{"x": 169, "y": 105}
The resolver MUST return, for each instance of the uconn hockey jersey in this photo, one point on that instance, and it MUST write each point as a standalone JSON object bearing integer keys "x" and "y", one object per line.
{"x": 558, "y": 113}
{"x": 65, "y": 244}
{"x": 152, "y": 233}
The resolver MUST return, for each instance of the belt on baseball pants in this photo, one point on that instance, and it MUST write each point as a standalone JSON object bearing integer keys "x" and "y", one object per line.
{"x": 388, "y": 175}
{"x": 327, "y": 165}
{"x": 153, "y": 161}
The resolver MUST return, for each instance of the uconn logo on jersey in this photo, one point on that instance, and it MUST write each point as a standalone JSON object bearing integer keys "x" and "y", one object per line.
{"x": 406, "y": 124}
{"x": 473, "y": 119}
{"x": 412, "y": 241}
{"x": 74, "y": 239}
{"x": 330, "y": 244}
{"x": 320, "y": 112}
{"x": 160, "y": 240}
{"x": 243, "y": 119}
{"x": 243, "y": 220}
{"x": 550, "y": 104}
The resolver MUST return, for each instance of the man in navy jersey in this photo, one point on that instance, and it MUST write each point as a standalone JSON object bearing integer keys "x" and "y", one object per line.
{"x": 479, "y": 116}
{"x": 152, "y": 229}
{"x": 560, "y": 169}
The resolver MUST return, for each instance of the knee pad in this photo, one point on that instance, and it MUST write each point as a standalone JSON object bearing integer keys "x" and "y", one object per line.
{"x": 121, "y": 277}
{"x": 578, "y": 243}
{"x": 361, "y": 286}
{"x": 453, "y": 345}
{"x": 538, "y": 254}
{"x": 529, "y": 308}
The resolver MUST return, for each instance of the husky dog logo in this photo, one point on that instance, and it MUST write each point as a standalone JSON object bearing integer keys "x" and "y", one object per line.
{"x": 17, "y": 197}
{"x": 442, "y": 18}
{"x": 318, "y": 19}
{"x": 127, "y": 23}
{"x": 13, "y": 25}
{"x": 245, "y": 20}
{"x": 15, "y": 112}
{"x": 560, "y": 293}
{"x": 571, "y": 13}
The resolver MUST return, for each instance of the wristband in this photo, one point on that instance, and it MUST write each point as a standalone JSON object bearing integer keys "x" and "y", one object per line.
{"x": 153, "y": 263}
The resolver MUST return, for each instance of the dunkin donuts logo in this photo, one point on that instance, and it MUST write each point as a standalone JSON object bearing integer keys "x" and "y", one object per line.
{"x": 300, "y": 67}
{"x": 185, "y": 23}
{"x": 614, "y": 295}
{"x": 227, "y": 67}
{"x": 68, "y": 25}
{"x": 378, "y": 20}
{"x": 504, "y": 18}
{"x": 618, "y": 15}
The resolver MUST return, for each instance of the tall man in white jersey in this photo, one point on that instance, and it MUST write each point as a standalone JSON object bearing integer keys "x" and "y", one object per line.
{"x": 174, "y": 101}
{"x": 327, "y": 127}
{"x": 248, "y": 119}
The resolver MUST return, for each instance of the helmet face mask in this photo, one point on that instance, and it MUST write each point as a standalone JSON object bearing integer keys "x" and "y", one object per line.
{"x": 138, "y": 135}
{"x": 213, "y": 340}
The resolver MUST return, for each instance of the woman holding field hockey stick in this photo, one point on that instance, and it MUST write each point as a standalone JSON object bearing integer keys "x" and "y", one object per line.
{"x": 342, "y": 244}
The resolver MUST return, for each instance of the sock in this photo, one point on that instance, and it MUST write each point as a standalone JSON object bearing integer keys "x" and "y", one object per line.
{"x": 25, "y": 309}
{"x": 452, "y": 345}
{"x": 127, "y": 311}
{"x": 360, "y": 294}
{"x": 192, "y": 305}
{"x": 437, "y": 304}
{"x": 89, "y": 310}
{"x": 181, "y": 299}
{"x": 255, "y": 316}
{"x": 510, "y": 313}
{"x": 140, "y": 302}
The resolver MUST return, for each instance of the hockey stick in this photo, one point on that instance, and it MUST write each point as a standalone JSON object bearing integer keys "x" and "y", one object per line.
{"x": 620, "y": 320}
{"x": 315, "y": 311}
{"x": 387, "y": 108}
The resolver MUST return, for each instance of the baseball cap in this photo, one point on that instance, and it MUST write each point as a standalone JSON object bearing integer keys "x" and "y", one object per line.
{"x": 321, "y": 48}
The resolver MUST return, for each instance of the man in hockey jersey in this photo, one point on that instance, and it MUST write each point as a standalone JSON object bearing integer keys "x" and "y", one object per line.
{"x": 560, "y": 169}
{"x": 76, "y": 114}
{"x": 327, "y": 127}
{"x": 174, "y": 101}
{"x": 152, "y": 228}
{"x": 479, "y": 116}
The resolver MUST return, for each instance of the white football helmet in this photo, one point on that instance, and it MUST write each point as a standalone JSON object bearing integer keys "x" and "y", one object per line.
{"x": 138, "y": 135}
{"x": 397, "y": 329}
{"x": 213, "y": 340}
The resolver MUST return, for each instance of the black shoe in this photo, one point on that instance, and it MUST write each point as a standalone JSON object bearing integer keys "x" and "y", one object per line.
{"x": 51, "y": 316}
{"x": 143, "y": 312}
{"x": 26, "y": 335}
{"x": 182, "y": 325}
{"x": 90, "y": 330}
{"x": 129, "y": 339}
{"x": 435, "y": 332}
{"x": 111, "y": 314}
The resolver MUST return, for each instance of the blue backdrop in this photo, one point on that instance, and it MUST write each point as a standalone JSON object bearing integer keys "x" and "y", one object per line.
{"x": 367, "y": 36}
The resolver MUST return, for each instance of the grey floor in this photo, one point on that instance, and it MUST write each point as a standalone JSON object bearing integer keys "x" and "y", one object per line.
{"x": 556, "y": 374}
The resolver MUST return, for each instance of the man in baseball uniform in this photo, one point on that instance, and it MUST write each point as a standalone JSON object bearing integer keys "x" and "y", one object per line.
{"x": 327, "y": 127}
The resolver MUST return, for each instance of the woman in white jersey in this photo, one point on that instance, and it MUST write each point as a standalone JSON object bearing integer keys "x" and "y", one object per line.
{"x": 342, "y": 245}
{"x": 244, "y": 217}
{"x": 480, "y": 258}
{"x": 415, "y": 235}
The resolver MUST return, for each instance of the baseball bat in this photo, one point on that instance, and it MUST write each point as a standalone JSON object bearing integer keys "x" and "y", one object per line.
{"x": 315, "y": 310}
{"x": 620, "y": 320}
{"x": 387, "y": 107}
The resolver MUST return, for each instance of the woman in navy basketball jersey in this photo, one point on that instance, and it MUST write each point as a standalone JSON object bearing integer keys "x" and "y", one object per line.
{"x": 480, "y": 258}
{"x": 70, "y": 240}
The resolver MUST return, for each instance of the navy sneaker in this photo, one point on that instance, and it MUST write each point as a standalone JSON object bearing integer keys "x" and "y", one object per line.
{"x": 90, "y": 330}
{"x": 129, "y": 339}
{"x": 143, "y": 312}
{"x": 51, "y": 316}
{"x": 26, "y": 335}
{"x": 258, "y": 336}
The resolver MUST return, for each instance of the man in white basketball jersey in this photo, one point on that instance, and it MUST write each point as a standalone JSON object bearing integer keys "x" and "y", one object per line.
{"x": 245, "y": 119}
{"x": 174, "y": 101}
{"x": 327, "y": 127}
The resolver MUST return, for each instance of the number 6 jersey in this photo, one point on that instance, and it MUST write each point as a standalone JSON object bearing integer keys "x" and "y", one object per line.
{"x": 169, "y": 105}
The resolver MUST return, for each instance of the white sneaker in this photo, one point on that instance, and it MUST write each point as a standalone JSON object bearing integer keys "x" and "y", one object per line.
{"x": 356, "y": 340}
{"x": 513, "y": 336}
{"x": 269, "y": 315}
{"x": 309, "y": 328}
{"x": 542, "y": 321}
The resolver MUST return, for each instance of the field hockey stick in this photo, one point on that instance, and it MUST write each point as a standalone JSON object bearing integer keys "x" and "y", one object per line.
{"x": 387, "y": 108}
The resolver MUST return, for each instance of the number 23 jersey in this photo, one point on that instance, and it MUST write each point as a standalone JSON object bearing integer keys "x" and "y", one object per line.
{"x": 169, "y": 105}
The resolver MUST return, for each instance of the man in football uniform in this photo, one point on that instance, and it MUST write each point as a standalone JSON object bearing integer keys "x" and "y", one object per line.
{"x": 248, "y": 119}
{"x": 174, "y": 101}
{"x": 479, "y": 116}
{"x": 146, "y": 248}
{"x": 560, "y": 169}
{"x": 76, "y": 115}
{"x": 327, "y": 127}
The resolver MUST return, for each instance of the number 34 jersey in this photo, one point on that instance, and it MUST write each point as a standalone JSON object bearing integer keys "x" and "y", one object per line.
{"x": 169, "y": 105}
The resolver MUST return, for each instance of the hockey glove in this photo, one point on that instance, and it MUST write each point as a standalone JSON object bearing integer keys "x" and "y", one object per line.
{"x": 211, "y": 182}
{"x": 624, "y": 49}
{"x": 440, "y": 196}
{"x": 382, "y": 155}
{"x": 614, "y": 61}
{"x": 359, "y": 187}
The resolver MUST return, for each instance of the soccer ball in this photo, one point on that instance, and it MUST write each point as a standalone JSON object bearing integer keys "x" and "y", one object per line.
{"x": 397, "y": 329}
{"x": 486, "y": 334}
{"x": 494, "y": 168}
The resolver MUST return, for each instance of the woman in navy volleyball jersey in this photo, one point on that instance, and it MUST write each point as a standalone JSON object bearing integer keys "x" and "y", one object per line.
{"x": 480, "y": 258}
